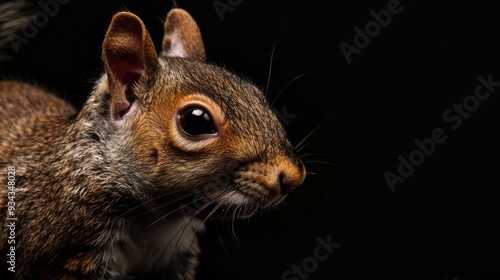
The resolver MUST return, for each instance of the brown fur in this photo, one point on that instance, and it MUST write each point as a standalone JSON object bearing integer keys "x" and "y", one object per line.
{"x": 97, "y": 188}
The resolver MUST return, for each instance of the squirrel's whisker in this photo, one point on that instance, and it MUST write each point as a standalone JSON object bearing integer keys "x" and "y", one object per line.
{"x": 304, "y": 146}
{"x": 271, "y": 61}
{"x": 266, "y": 92}
{"x": 314, "y": 130}
{"x": 322, "y": 162}
{"x": 164, "y": 195}
{"x": 286, "y": 86}
{"x": 222, "y": 242}
{"x": 189, "y": 220}
{"x": 311, "y": 154}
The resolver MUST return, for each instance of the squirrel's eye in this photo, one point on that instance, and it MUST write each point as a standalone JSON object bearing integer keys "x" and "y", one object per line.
{"x": 196, "y": 121}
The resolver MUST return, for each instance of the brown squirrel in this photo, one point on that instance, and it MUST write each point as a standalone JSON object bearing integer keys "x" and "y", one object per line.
{"x": 102, "y": 193}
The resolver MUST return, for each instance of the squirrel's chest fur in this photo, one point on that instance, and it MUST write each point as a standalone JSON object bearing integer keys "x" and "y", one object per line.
{"x": 139, "y": 250}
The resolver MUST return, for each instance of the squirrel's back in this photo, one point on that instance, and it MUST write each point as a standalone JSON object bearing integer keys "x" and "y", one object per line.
{"x": 23, "y": 108}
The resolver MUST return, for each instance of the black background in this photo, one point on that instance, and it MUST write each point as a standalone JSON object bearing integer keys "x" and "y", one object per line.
{"x": 440, "y": 223}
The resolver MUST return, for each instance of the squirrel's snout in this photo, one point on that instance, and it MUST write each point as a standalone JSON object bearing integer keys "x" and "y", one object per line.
{"x": 291, "y": 176}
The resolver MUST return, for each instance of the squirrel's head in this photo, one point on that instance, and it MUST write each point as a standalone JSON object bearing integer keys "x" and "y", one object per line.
{"x": 197, "y": 134}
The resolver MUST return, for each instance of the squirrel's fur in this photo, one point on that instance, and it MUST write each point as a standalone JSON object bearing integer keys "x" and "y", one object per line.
{"x": 102, "y": 193}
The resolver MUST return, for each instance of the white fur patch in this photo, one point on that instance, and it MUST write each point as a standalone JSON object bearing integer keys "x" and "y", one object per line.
{"x": 149, "y": 249}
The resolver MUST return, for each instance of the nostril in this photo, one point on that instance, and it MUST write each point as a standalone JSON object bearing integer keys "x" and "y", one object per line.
{"x": 288, "y": 183}
{"x": 290, "y": 175}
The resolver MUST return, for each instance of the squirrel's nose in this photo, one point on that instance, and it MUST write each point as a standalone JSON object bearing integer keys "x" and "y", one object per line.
{"x": 291, "y": 176}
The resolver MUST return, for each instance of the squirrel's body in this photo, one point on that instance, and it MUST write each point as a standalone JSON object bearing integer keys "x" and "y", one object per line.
{"x": 44, "y": 143}
{"x": 60, "y": 164}
{"x": 102, "y": 193}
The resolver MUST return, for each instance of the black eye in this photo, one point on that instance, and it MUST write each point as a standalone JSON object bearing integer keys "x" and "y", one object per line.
{"x": 196, "y": 121}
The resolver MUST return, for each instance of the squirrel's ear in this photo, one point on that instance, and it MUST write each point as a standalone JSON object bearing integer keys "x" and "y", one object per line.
{"x": 182, "y": 36}
{"x": 129, "y": 55}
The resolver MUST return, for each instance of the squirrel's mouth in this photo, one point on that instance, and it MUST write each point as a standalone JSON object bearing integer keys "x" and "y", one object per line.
{"x": 232, "y": 203}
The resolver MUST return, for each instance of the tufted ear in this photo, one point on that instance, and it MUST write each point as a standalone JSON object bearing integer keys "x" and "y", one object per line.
{"x": 129, "y": 56}
{"x": 182, "y": 36}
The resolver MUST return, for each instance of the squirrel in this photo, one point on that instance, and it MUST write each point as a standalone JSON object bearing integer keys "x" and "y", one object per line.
{"x": 102, "y": 192}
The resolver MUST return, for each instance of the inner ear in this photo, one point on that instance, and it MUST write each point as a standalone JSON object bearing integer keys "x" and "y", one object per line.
{"x": 129, "y": 56}
{"x": 182, "y": 36}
